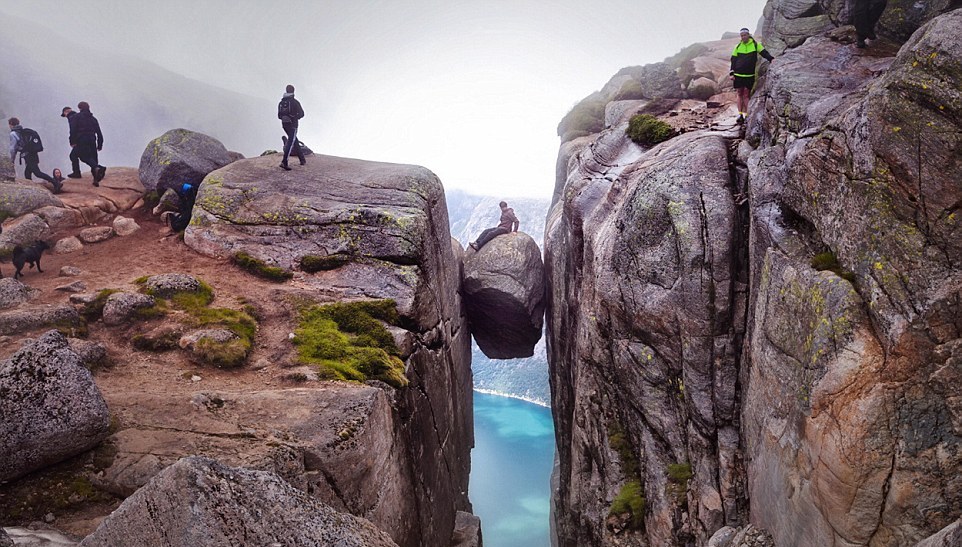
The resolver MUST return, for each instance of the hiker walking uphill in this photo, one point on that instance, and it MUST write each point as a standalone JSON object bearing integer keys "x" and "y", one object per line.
{"x": 744, "y": 64}
{"x": 85, "y": 135}
{"x": 509, "y": 223}
{"x": 289, "y": 111}
{"x": 27, "y": 142}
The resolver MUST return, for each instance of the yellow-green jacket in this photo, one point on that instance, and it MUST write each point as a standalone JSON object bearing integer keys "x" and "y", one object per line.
{"x": 745, "y": 57}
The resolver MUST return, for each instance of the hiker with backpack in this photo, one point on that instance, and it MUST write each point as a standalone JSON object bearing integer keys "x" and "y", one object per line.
{"x": 187, "y": 195}
{"x": 85, "y": 135}
{"x": 27, "y": 142}
{"x": 289, "y": 111}
{"x": 743, "y": 68}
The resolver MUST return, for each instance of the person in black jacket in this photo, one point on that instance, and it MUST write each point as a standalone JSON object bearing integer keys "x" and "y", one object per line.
{"x": 865, "y": 16}
{"x": 289, "y": 111}
{"x": 68, "y": 113}
{"x": 744, "y": 64}
{"x": 86, "y": 136}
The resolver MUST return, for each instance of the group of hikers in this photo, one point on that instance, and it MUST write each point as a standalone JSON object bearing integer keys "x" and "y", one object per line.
{"x": 85, "y": 138}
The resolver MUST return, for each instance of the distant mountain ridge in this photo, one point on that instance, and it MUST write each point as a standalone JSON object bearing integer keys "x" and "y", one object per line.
{"x": 134, "y": 100}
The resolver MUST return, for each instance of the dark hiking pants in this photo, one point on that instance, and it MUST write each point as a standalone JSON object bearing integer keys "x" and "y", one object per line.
{"x": 292, "y": 145}
{"x": 488, "y": 235}
{"x": 32, "y": 162}
{"x": 866, "y": 15}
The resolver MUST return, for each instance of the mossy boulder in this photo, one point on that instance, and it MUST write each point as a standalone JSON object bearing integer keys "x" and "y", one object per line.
{"x": 180, "y": 156}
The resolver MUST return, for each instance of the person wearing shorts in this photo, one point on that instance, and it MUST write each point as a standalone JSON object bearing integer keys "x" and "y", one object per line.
{"x": 744, "y": 64}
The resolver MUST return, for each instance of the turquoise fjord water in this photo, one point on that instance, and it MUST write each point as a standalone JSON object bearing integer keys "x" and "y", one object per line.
{"x": 511, "y": 470}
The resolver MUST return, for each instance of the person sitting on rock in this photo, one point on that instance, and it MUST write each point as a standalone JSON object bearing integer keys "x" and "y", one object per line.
{"x": 865, "y": 16}
{"x": 509, "y": 223}
{"x": 744, "y": 63}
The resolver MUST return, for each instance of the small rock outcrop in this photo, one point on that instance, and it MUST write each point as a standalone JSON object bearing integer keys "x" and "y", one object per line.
{"x": 180, "y": 156}
{"x": 48, "y": 316}
{"x": 122, "y": 306}
{"x": 50, "y": 406}
{"x": 12, "y": 293}
{"x": 20, "y": 199}
{"x": 503, "y": 288}
{"x": 198, "y": 501}
{"x": 167, "y": 285}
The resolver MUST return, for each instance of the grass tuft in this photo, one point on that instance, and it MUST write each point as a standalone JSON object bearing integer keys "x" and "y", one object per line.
{"x": 260, "y": 268}
{"x": 828, "y": 261}
{"x": 348, "y": 341}
{"x": 648, "y": 130}
{"x": 313, "y": 263}
{"x": 630, "y": 501}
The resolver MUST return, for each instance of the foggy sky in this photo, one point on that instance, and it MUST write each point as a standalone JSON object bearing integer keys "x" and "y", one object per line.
{"x": 472, "y": 90}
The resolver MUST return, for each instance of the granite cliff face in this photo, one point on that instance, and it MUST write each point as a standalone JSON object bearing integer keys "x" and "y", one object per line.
{"x": 765, "y": 326}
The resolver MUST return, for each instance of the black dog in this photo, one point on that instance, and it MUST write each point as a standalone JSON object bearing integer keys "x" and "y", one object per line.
{"x": 30, "y": 255}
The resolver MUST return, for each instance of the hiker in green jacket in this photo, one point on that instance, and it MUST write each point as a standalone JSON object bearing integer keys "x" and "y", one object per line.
{"x": 744, "y": 63}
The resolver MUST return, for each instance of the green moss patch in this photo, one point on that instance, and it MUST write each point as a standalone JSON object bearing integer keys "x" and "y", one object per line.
{"x": 678, "y": 476}
{"x": 312, "y": 263}
{"x": 94, "y": 310}
{"x": 348, "y": 341}
{"x": 648, "y": 130}
{"x": 630, "y": 502}
{"x": 828, "y": 261}
{"x": 260, "y": 268}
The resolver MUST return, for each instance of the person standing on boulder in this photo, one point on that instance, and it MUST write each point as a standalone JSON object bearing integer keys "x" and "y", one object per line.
{"x": 27, "y": 142}
{"x": 289, "y": 111}
{"x": 85, "y": 134}
{"x": 509, "y": 223}
{"x": 744, "y": 65}
{"x": 865, "y": 16}
{"x": 68, "y": 113}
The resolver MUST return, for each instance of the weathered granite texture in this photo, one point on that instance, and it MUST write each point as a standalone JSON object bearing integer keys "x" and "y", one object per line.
{"x": 180, "y": 156}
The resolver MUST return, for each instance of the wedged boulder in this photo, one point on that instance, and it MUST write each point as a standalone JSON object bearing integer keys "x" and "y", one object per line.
{"x": 18, "y": 199}
{"x": 123, "y": 306}
{"x": 503, "y": 289}
{"x": 180, "y": 156}
{"x": 12, "y": 293}
{"x": 198, "y": 501}
{"x": 51, "y": 407}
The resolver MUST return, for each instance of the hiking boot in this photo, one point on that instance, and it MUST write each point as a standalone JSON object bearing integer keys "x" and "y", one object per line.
{"x": 303, "y": 162}
{"x": 74, "y": 175}
{"x": 860, "y": 43}
{"x": 473, "y": 245}
{"x": 740, "y": 120}
{"x": 99, "y": 173}
{"x": 285, "y": 167}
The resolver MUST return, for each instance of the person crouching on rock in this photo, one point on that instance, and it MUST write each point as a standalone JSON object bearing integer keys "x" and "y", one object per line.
{"x": 187, "y": 194}
{"x": 289, "y": 111}
{"x": 509, "y": 223}
{"x": 744, "y": 63}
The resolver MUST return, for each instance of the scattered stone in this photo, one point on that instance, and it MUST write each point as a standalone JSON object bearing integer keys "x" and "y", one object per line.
{"x": 85, "y": 298}
{"x": 91, "y": 353}
{"x": 188, "y": 341}
{"x": 22, "y": 231}
{"x": 12, "y": 293}
{"x": 61, "y": 316}
{"x": 124, "y": 226}
{"x": 301, "y": 374}
{"x": 60, "y": 218}
{"x": 48, "y": 518}
{"x": 76, "y": 286}
{"x": 212, "y": 504}
{"x": 51, "y": 407}
{"x": 96, "y": 234}
{"x": 722, "y": 538}
{"x": 69, "y": 271}
{"x": 195, "y": 378}
{"x": 122, "y": 306}
{"x": 260, "y": 364}
{"x": 67, "y": 245}
{"x": 167, "y": 285}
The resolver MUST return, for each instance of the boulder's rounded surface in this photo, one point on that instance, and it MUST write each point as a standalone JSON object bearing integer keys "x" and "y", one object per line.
{"x": 503, "y": 289}
{"x": 69, "y": 271}
{"x": 180, "y": 156}
{"x": 124, "y": 226}
{"x": 67, "y": 245}
{"x": 169, "y": 284}
{"x": 91, "y": 353}
{"x": 23, "y": 231}
{"x": 702, "y": 88}
{"x": 96, "y": 234}
{"x": 122, "y": 306}
{"x": 26, "y": 319}
{"x": 12, "y": 293}
{"x": 202, "y": 502}
{"x": 74, "y": 287}
{"x": 18, "y": 199}
{"x": 51, "y": 407}
{"x": 60, "y": 218}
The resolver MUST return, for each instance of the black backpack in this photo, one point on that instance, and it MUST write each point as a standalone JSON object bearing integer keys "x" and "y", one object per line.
{"x": 284, "y": 108}
{"x": 30, "y": 141}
